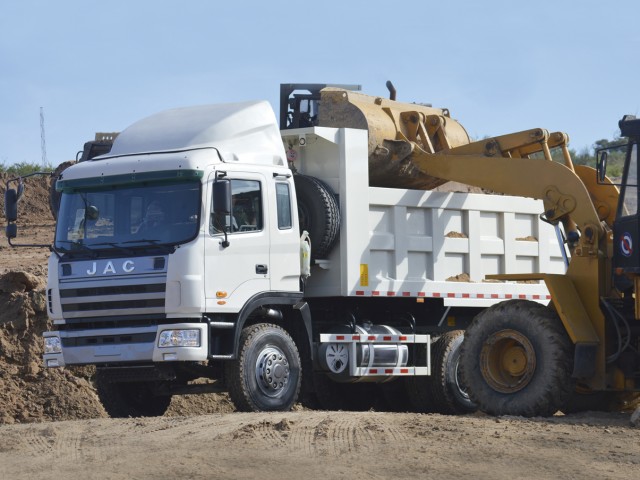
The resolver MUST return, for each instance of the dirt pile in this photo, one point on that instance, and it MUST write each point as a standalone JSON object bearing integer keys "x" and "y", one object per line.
{"x": 29, "y": 392}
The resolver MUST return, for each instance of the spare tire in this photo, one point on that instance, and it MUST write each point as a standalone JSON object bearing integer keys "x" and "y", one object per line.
{"x": 318, "y": 213}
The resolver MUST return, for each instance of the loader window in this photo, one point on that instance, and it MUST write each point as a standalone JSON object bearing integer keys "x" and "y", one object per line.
{"x": 630, "y": 188}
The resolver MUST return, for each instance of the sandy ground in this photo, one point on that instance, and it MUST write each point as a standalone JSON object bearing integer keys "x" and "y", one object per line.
{"x": 311, "y": 444}
{"x": 52, "y": 425}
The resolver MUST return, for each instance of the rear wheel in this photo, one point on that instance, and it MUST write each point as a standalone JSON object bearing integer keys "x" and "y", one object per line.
{"x": 266, "y": 375}
{"x": 516, "y": 359}
{"x": 131, "y": 399}
{"x": 318, "y": 213}
{"x": 443, "y": 391}
{"x": 449, "y": 394}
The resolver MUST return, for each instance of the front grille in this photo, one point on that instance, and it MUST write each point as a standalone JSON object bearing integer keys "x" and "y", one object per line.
{"x": 115, "y": 290}
{"x": 128, "y": 321}
{"x": 114, "y": 297}
{"x": 119, "y": 305}
{"x": 109, "y": 340}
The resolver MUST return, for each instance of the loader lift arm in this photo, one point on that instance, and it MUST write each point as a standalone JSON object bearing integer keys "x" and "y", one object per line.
{"x": 503, "y": 164}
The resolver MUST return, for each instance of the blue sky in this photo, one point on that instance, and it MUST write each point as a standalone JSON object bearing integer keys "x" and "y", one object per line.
{"x": 500, "y": 66}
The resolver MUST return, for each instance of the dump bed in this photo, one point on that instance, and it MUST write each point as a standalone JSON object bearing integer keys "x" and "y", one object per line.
{"x": 412, "y": 243}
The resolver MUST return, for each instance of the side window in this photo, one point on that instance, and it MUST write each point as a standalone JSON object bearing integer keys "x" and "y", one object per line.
{"x": 246, "y": 209}
{"x": 283, "y": 204}
{"x": 630, "y": 191}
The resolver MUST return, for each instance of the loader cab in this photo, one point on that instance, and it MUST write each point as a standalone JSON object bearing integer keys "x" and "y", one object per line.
{"x": 299, "y": 103}
{"x": 619, "y": 165}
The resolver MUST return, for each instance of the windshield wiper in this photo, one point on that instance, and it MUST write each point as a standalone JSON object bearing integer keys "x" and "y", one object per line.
{"x": 77, "y": 247}
{"x": 155, "y": 242}
{"x": 116, "y": 245}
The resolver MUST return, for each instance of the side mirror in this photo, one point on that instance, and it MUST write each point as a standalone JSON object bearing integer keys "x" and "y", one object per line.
{"x": 12, "y": 231}
{"x": 222, "y": 197}
{"x": 11, "y": 205}
{"x": 11, "y": 197}
{"x": 601, "y": 165}
{"x": 91, "y": 212}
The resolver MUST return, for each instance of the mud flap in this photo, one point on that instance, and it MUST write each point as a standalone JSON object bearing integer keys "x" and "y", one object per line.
{"x": 584, "y": 360}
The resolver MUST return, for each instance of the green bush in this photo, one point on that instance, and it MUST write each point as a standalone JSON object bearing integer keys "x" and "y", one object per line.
{"x": 24, "y": 168}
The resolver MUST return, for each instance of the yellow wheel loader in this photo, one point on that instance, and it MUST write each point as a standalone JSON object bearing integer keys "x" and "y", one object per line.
{"x": 519, "y": 357}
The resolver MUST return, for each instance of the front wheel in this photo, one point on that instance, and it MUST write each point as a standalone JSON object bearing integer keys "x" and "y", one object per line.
{"x": 266, "y": 375}
{"x": 517, "y": 359}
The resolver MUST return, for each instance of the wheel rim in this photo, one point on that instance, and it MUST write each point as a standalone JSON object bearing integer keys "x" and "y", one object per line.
{"x": 461, "y": 389}
{"x": 272, "y": 371}
{"x": 507, "y": 361}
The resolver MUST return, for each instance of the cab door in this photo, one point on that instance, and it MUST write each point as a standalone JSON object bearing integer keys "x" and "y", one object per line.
{"x": 626, "y": 256}
{"x": 237, "y": 243}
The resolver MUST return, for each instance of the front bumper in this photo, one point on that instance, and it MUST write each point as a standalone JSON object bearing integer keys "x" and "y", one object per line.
{"x": 118, "y": 345}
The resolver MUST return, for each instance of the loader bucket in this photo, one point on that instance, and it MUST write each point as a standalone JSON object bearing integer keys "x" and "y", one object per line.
{"x": 394, "y": 129}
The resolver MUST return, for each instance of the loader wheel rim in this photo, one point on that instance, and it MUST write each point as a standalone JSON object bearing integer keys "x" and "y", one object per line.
{"x": 507, "y": 361}
{"x": 272, "y": 371}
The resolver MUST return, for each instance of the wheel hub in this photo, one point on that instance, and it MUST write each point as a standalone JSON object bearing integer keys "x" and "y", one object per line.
{"x": 272, "y": 371}
{"x": 337, "y": 357}
{"x": 507, "y": 361}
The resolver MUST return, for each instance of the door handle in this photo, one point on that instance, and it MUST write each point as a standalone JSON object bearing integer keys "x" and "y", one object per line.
{"x": 261, "y": 269}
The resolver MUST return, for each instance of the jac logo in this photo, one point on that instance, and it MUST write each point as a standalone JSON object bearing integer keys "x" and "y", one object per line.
{"x": 109, "y": 268}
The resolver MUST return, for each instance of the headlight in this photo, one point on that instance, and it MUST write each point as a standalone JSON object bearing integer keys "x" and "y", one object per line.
{"x": 179, "y": 338}
{"x": 52, "y": 345}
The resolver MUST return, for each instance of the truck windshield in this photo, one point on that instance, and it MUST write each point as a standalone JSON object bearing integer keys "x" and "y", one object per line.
{"x": 128, "y": 217}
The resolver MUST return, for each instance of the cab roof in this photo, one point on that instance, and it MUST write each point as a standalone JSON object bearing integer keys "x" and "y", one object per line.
{"x": 245, "y": 132}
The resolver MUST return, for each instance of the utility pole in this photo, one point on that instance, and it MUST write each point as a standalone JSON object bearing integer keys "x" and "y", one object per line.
{"x": 43, "y": 143}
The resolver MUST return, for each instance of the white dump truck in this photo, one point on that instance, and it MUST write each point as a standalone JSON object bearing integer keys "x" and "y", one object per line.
{"x": 208, "y": 243}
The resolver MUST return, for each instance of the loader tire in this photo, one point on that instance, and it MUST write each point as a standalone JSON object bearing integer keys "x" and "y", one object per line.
{"x": 443, "y": 391}
{"x": 517, "y": 359}
{"x": 318, "y": 214}
{"x": 131, "y": 399}
{"x": 54, "y": 196}
{"x": 266, "y": 376}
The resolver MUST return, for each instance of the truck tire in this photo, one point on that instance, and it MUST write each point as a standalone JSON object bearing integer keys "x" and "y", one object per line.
{"x": 443, "y": 391}
{"x": 266, "y": 376}
{"x": 517, "y": 359}
{"x": 54, "y": 196}
{"x": 130, "y": 399}
{"x": 318, "y": 214}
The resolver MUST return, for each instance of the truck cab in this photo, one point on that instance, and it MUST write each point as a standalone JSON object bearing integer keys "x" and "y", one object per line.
{"x": 183, "y": 229}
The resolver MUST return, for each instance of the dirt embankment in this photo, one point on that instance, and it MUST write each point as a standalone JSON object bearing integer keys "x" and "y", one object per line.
{"x": 28, "y": 392}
